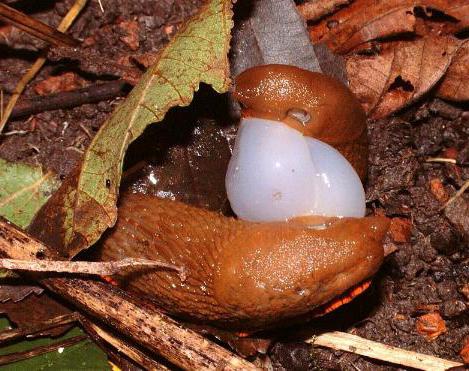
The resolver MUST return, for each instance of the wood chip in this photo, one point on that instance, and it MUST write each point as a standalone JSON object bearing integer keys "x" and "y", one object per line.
{"x": 372, "y": 349}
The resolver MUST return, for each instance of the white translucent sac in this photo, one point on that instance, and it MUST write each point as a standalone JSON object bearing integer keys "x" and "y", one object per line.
{"x": 276, "y": 173}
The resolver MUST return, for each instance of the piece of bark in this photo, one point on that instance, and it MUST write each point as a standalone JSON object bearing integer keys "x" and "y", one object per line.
{"x": 138, "y": 319}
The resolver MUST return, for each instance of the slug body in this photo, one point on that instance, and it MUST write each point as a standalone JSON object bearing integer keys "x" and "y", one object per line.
{"x": 241, "y": 275}
{"x": 300, "y": 153}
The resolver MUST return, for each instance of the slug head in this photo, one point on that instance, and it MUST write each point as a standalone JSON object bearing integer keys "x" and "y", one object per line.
{"x": 314, "y": 104}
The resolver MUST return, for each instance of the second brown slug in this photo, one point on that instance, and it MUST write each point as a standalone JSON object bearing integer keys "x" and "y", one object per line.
{"x": 247, "y": 275}
{"x": 241, "y": 275}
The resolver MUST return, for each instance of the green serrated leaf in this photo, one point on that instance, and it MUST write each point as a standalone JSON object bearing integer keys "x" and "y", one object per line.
{"x": 23, "y": 191}
{"x": 87, "y": 203}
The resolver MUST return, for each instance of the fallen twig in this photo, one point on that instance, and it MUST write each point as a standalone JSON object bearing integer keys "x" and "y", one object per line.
{"x": 372, "y": 349}
{"x": 456, "y": 195}
{"x": 35, "y": 27}
{"x": 90, "y": 94}
{"x": 19, "y": 356}
{"x": 313, "y": 10}
{"x": 28, "y": 76}
{"x": 18, "y": 333}
{"x": 100, "y": 334}
{"x": 441, "y": 159}
{"x": 138, "y": 319}
{"x": 85, "y": 267}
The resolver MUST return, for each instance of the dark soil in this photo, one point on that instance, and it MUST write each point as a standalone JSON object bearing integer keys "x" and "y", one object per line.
{"x": 428, "y": 272}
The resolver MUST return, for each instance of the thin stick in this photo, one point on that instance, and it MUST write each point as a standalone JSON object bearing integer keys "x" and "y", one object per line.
{"x": 441, "y": 159}
{"x": 85, "y": 267}
{"x": 456, "y": 195}
{"x": 28, "y": 76}
{"x": 17, "y": 333}
{"x": 35, "y": 27}
{"x": 355, "y": 344}
{"x": 98, "y": 333}
{"x": 19, "y": 356}
{"x": 68, "y": 99}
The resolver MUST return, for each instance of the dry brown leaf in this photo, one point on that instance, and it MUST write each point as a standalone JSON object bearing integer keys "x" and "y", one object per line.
{"x": 313, "y": 10}
{"x": 430, "y": 325}
{"x": 130, "y": 34}
{"x": 367, "y": 20}
{"x": 416, "y": 68}
{"x": 368, "y": 76}
{"x": 400, "y": 229}
{"x": 464, "y": 353}
{"x": 401, "y": 73}
{"x": 438, "y": 190}
{"x": 55, "y": 84}
{"x": 455, "y": 83}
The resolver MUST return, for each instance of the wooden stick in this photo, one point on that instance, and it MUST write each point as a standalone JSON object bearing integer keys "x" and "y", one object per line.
{"x": 99, "y": 334}
{"x": 35, "y": 27}
{"x": 85, "y": 267}
{"x": 138, "y": 319}
{"x": 372, "y": 349}
{"x": 456, "y": 195}
{"x": 19, "y": 356}
{"x": 17, "y": 333}
{"x": 144, "y": 323}
{"x": 68, "y": 99}
{"x": 29, "y": 75}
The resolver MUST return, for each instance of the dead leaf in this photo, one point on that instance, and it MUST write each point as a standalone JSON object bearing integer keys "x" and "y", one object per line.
{"x": 313, "y": 10}
{"x": 465, "y": 291}
{"x": 368, "y": 76}
{"x": 438, "y": 190}
{"x": 367, "y": 20}
{"x": 430, "y": 325}
{"x": 464, "y": 353}
{"x": 401, "y": 74}
{"x": 131, "y": 34}
{"x": 400, "y": 229}
{"x": 455, "y": 83}
{"x": 85, "y": 205}
{"x": 55, "y": 84}
{"x": 33, "y": 311}
{"x": 17, "y": 293}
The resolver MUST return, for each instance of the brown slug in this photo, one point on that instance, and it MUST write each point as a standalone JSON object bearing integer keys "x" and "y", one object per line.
{"x": 241, "y": 275}
{"x": 315, "y": 104}
{"x": 247, "y": 275}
